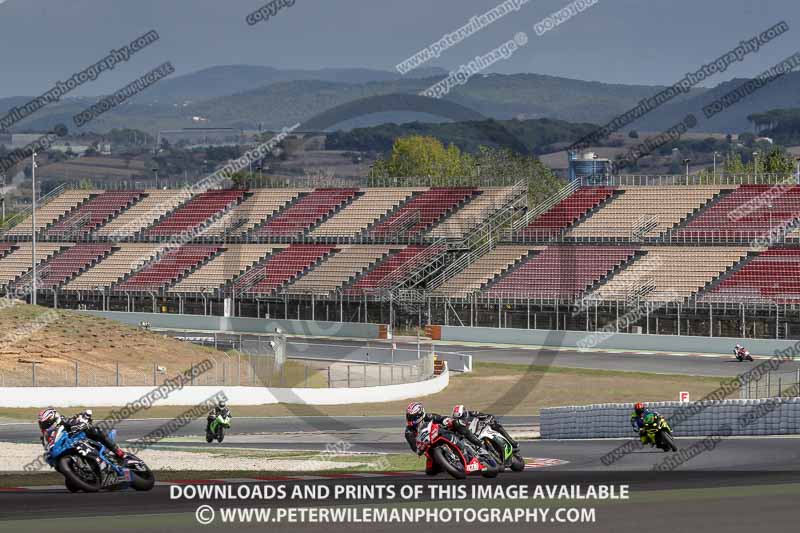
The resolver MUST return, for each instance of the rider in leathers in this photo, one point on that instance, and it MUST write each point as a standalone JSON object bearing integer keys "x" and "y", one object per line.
{"x": 416, "y": 417}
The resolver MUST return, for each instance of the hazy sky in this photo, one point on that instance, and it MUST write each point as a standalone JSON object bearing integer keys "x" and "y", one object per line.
{"x": 618, "y": 41}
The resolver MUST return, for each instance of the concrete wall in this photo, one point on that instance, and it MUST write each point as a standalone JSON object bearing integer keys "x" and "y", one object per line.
{"x": 121, "y": 396}
{"x": 244, "y": 325}
{"x": 621, "y": 341}
{"x": 774, "y": 416}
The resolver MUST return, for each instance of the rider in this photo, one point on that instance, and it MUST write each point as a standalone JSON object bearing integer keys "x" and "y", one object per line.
{"x": 739, "y": 350}
{"x": 460, "y": 413}
{"x": 637, "y": 419}
{"x": 416, "y": 415}
{"x": 50, "y": 420}
{"x": 220, "y": 409}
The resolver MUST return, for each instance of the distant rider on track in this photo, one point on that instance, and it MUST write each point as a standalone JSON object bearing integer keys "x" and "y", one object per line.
{"x": 220, "y": 409}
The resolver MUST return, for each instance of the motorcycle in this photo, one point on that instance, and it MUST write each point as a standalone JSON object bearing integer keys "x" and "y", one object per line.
{"x": 89, "y": 466}
{"x": 658, "y": 433}
{"x": 454, "y": 454}
{"x": 497, "y": 444}
{"x": 216, "y": 430}
{"x": 744, "y": 355}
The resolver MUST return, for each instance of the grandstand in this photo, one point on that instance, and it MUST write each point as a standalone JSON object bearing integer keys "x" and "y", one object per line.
{"x": 694, "y": 256}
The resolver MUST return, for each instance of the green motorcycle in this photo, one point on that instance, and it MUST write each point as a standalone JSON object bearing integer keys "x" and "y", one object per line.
{"x": 497, "y": 444}
{"x": 658, "y": 433}
{"x": 216, "y": 428}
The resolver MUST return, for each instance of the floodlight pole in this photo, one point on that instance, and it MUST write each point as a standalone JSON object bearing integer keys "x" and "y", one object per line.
{"x": 33, "y": 227}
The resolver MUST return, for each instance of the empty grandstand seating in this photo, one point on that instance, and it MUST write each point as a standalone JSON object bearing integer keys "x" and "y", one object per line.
{"x": 155, "y": 205}
{"x": 772, "y": 276}
{"x": 748, "y": 211}
{"x": 168, "y": 268}
{"x": 363, "y": 212}
{"x": 566, "y": 212}
{"x": 126, "y": 258}
{"x": 5, "y": 247}
{"x": 51, "y": 211}
{"x": 473, "y": 214}
{"x": 65, "y": 265}
{"x": 280, "y": 268}
{"x": 254, "y": 210}
{"x": 196, "y": 212}
{"x": 347, "y": 263}
{"x": 401, "y": 261}
{"x": 18, "y": 262}
{"x": 308, "y": 210}
{"x": 487, "y": 267}
{"x": 559, "y": 271}
{"x": 422, "y": 211}
{"x": 93, "y": 213}
{"x": 234, "y": 261}
{"x": 670, "y": 273}
{"x": 644, "y": 212}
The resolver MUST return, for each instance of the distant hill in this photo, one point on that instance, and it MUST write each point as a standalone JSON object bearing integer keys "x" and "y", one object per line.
{"x": 782, "y": 93}
{"x": 280, "y": 103}
{"x": 524, "y": 136}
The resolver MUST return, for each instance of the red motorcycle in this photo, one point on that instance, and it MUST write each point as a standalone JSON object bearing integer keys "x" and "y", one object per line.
{"x": 453, "y": 454}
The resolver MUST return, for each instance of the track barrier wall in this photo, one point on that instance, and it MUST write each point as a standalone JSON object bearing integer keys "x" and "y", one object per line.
{"x": 120, "y": 396}
{"x": 770, "y": 416}
{"x": 615, "y": 341}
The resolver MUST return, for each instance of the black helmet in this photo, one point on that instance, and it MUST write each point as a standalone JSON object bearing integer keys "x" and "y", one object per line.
{"x": 222, "y": 404}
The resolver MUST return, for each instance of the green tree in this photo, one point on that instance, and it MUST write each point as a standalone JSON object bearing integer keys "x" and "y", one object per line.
{"x": 420, "y": 156}
{"x": 778, "y": 162}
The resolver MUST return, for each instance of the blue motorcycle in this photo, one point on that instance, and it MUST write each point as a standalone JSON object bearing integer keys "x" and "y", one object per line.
{"x": 89, "y": 466}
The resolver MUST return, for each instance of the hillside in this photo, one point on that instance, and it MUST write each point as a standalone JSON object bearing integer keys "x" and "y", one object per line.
{"x": 282, "y": 103}
{"x": 63, "y": 338}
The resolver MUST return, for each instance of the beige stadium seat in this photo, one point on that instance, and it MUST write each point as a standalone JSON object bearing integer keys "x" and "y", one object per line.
{"x": 52, "y": 211}
{"x": 491, "y": 265}
{"x": 230, "y": 264}
{"x": 473, "y": 214}
{"x": 645, "y": 211}
{"x": 18, "y": 262}
{"x": 153, "y": 206}
{"x": 338, "y": 269}
{"x": 669, "y": 273}
{"x": 125, "y": 259}
{"x": 251, "y": 212}
{"x": 364, "y": 211}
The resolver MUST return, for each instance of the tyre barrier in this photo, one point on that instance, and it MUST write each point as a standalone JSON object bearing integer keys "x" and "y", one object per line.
{"x": 769, "y": 416}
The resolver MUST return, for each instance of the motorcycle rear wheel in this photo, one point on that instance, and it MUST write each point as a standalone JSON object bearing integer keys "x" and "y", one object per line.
{"x": 456, "y": 470}
{"x": 65, "y": 466}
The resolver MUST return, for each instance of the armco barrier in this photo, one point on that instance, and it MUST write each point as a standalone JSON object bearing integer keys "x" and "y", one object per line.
{"x": 774, "y": 416}
{"x": 120, "y": 396}
{"x": 310, "y": 328}
{"x": 619, "y": 341}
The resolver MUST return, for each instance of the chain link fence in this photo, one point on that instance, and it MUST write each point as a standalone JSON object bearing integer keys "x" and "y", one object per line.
{"x": 234, "y": 368}
{"x": 772, "y": 385}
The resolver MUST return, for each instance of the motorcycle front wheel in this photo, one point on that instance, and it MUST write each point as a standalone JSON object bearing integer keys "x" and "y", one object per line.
{"x": 79, "y": 473}
{"x": 669, "y": 442}
{"x": 220, "y": 434}
{"x": 449, "y": 462}
{"x": 142, "y": 478}
{"x": 517, "y": 463}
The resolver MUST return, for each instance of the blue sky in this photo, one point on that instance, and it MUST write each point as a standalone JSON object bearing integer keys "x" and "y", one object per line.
{"x": 616, "y": 41}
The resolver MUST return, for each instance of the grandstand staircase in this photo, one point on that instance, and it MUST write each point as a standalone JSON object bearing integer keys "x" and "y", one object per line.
{"x": 510, "y": 270}
{"x": 613, "y": 272}
{"x": 711, "y": 285}
{"x": 485, "y": 237}
{"x": 139, "y": 235}
{"x": 585, "y": 216}
{"x": 643, "y": 226}
{"x": 694, "y": 214}
{"x": 22, "y": 215}
{"x": 335, "y": 211}
{"x": 532, "y": 214}
{"x": 285, "y": 207}
{"x": 313, "y": 266}
{"x": 42, "y": 233}
{"x": 436, "y": 258}
{"x": 158, "y": 257}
